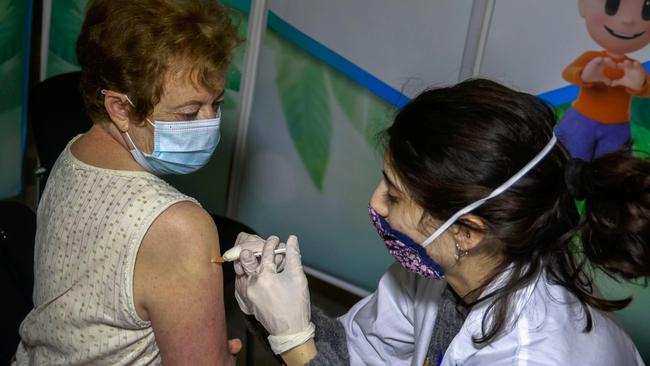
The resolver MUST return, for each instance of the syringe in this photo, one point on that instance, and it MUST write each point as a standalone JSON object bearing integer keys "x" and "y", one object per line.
{"x": 233, "y": 254}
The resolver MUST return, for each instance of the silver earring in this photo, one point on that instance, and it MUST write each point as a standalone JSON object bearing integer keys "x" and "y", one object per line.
{"x": 460, "y": 252}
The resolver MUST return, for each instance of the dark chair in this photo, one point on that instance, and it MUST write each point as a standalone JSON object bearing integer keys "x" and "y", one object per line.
{"x": 57, "y": 96}
{"x": 17, "y": 231}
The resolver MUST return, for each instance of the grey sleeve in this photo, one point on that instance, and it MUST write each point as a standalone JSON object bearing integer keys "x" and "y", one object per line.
{"x": 330, "y": 340}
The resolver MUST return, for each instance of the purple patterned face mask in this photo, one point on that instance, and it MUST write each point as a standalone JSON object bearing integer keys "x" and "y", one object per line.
{"x": 412, "y": 255}
{"x": 408, "y": 253}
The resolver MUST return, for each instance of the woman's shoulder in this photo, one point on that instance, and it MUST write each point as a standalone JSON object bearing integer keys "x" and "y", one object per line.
{"x": 177, "y": 247}
{"x": 183, "y": 229}
{"x": 549, "y": 328}
{"x": 555, "y": 321}
{"x": 183, "y": 218}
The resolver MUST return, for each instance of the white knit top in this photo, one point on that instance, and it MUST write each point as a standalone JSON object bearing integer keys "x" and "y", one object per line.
{"x": 90, "y": 224}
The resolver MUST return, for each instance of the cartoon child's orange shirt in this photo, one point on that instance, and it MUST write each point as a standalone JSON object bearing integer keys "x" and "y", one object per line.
{"x": 600, "y": 102}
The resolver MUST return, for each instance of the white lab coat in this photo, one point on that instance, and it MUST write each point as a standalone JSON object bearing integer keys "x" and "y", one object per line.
{"x": 393, "y": 326}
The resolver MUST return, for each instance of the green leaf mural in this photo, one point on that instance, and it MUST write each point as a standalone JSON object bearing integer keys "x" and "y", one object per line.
{"x": 307, "y": 89}
{"x": 640, "y": 116}
{"x": 11, "y": 29}
{"x": 641, "y": 136}
{"x": 11, "y": 74}
{"x": 67, "y": 18}
{"x": 233, "y": 77}
{"x": 380, "y": 116}
{"x": 301, "y": 84}
{"x": 366, "y": 112}
{"x": 12, "y": 71}
{"x": 233, "y": 74}
{"x": 12, "y": 16}
{"x": 640, "y": 111}
{"x": 349, "y": 97}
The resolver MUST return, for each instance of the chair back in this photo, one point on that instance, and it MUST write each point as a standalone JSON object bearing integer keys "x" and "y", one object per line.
{"x": 17, "y": 232}
{"x": 56, "y": 113}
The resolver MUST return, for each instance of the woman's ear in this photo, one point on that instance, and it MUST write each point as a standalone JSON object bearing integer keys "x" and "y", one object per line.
{"x": 471, "y": 233}
{"x": 116, "y": 106}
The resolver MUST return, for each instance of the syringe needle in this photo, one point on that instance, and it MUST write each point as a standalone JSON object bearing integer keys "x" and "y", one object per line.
{"x": 233, "y": 254}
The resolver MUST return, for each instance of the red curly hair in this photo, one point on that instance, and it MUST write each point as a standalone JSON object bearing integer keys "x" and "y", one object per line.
{"x": 131, "y": 46}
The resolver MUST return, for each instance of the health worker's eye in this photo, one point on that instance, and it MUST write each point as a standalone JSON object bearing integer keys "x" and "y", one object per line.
{"x": 390, "y": 198}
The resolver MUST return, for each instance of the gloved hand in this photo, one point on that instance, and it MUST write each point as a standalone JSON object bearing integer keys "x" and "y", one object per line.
{"x": 278, "y": 299}
{"x": 248, "y": 263}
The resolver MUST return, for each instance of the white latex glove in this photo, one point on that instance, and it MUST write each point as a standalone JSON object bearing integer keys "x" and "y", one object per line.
{"x": 278, "y": 299}
{"x": 248, "y": 263}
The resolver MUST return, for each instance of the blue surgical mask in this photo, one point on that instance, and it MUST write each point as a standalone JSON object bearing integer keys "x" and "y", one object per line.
{"x": 180, "y": 147}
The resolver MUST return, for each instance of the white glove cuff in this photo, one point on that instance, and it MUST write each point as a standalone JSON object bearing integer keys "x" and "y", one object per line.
{"x": 281, "y": 344}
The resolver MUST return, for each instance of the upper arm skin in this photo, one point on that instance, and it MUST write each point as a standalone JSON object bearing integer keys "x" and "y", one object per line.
{"x": 179, "y": 290}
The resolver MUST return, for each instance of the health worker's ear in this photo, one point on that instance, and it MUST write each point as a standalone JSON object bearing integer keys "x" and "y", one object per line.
{"x": 471, "y": 233}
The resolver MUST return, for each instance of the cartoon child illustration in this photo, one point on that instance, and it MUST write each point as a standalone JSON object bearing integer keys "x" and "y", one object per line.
{"x": 598, "y": 121}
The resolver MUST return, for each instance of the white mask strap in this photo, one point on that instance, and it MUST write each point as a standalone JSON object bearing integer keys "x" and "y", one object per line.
{"x": 129, "y": 100}
{"x": 502, "y": 188}
{"x": 103, "y": 91}
{"x": 132, "y": 147}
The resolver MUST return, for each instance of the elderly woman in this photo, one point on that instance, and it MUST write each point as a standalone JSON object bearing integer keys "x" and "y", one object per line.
{"x": 122, "y": 264}
{"x": 477, "y": 206}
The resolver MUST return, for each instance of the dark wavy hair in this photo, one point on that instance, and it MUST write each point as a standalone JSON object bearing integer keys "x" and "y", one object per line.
{"x": 452, "y": 146}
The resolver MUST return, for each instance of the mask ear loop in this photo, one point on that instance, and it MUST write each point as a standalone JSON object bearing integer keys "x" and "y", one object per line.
{"x": 105, "y": 92}
{"x": 133, "y": 105}
{"x": 128, "y": 139}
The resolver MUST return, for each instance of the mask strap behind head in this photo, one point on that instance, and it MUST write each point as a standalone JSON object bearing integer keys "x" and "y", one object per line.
{"x": 502, "y": 188}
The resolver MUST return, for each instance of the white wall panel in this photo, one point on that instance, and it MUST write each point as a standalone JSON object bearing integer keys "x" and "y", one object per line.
{"x": 407, "y": 44}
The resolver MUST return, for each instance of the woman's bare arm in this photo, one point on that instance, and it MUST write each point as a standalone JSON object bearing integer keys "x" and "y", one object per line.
{"x": 180, "y": 291}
